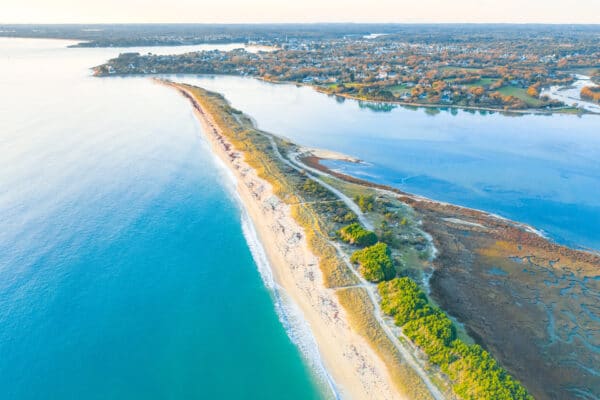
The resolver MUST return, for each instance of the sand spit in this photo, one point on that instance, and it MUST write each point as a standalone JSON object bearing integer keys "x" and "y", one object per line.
{"x": 357, "y": 371}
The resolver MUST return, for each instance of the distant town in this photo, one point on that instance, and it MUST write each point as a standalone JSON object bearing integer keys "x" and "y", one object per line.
{"x": 475, "y": 67}
{"x": 544, "y": 68}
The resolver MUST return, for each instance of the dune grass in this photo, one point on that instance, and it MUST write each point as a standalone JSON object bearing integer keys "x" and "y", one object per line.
{"x": 361, "y": 316}
{"x": 259, "y": 154}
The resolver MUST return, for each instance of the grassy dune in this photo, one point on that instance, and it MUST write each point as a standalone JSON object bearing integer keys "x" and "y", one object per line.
{"x": 360, "y": 311}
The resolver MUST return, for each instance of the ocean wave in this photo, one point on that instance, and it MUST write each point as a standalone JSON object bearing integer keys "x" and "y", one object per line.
{"x": 288, "y": 312}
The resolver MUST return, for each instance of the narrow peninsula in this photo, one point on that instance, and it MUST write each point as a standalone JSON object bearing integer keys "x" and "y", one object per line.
{"x": 406, "y": 296}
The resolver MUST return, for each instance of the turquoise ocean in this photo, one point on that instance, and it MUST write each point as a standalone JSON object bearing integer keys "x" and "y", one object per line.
{"x": 128, "y": 269}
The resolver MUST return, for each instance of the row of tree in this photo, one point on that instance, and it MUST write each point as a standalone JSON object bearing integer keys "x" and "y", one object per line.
{"x": 474, "y": 372}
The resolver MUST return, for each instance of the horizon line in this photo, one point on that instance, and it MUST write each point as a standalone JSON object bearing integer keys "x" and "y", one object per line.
{"x": 305, "y": 23}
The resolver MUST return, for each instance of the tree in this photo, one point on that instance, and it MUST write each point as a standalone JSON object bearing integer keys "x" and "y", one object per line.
{"x": 591, "y": 93}
{"x": 365, "y": 202}
{"x": 356, "y": 234}
{"x": 375, "y": 263}
{"x": 533, "y": 91}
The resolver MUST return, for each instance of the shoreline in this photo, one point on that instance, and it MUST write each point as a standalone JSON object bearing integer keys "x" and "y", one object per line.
{"x": 516, "y": 112}
{"x": 354, "y": 367}
{"x": 567, "y": 110}
{"x": 287, "y": 311}
{"x": 472, "y": 247}
{"x": 313, "y": 160}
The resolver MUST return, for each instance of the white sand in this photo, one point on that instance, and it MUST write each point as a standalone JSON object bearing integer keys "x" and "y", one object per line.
{"x": 329, "y": 155}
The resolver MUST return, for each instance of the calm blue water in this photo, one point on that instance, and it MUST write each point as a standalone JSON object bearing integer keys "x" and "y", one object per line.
{"x": 124, "y": 270}
{"x": 541, "y": 170}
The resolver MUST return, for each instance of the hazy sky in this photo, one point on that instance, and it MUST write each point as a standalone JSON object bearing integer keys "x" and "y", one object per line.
{"x": 85, "y": 11}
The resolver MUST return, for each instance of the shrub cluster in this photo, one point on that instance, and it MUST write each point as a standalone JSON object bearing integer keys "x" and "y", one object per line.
{"x": 474, "y": 372}
{"x": 335, "y": 212}
{"x": 375, "y": 262}
{"x": 356, "y": 234}
{"x": 365, "y": 202}
{"x": 314, "y": 189}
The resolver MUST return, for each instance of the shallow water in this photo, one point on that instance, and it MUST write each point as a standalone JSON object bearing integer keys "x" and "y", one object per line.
{"x": 571, "y": 95}
{"x": 124, "y": 269}
{"x": 538, "y": 169}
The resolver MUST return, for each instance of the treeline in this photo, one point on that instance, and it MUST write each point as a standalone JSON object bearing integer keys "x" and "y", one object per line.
{"x": 591, "y": 93}
{"x": 473, "y": 371}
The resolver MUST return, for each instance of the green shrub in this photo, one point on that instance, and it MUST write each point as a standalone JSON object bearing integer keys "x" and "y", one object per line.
{"x": 356, "y": 234}
{"x": 375, "y": 263}
{"x": 433, "y": 333}
{"x": 386, "y": 234}
{"x": 365, "y": 202}
{"x": 478, "y": 376}
{"x": 314, "y": 189}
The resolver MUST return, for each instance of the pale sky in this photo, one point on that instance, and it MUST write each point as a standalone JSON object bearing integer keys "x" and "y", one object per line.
{"x": 232, "y": 11}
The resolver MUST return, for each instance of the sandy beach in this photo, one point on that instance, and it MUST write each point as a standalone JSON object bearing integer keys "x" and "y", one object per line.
{"x": 329, "y": 155}
{"x": 357, "y": 371}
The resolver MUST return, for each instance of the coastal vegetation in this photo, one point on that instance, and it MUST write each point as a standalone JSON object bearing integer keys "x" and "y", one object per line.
{"x": 357, "y": 235}
{"x": 375, "y": 263}
{"x": 365, "y": 202}
{"x": 474, "y": 374}
{"x": 473, "y": 371}
{"x": 476, "y": 271}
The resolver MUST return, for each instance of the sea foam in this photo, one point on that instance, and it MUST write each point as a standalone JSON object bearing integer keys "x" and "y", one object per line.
{"x": 288, "y": 312}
